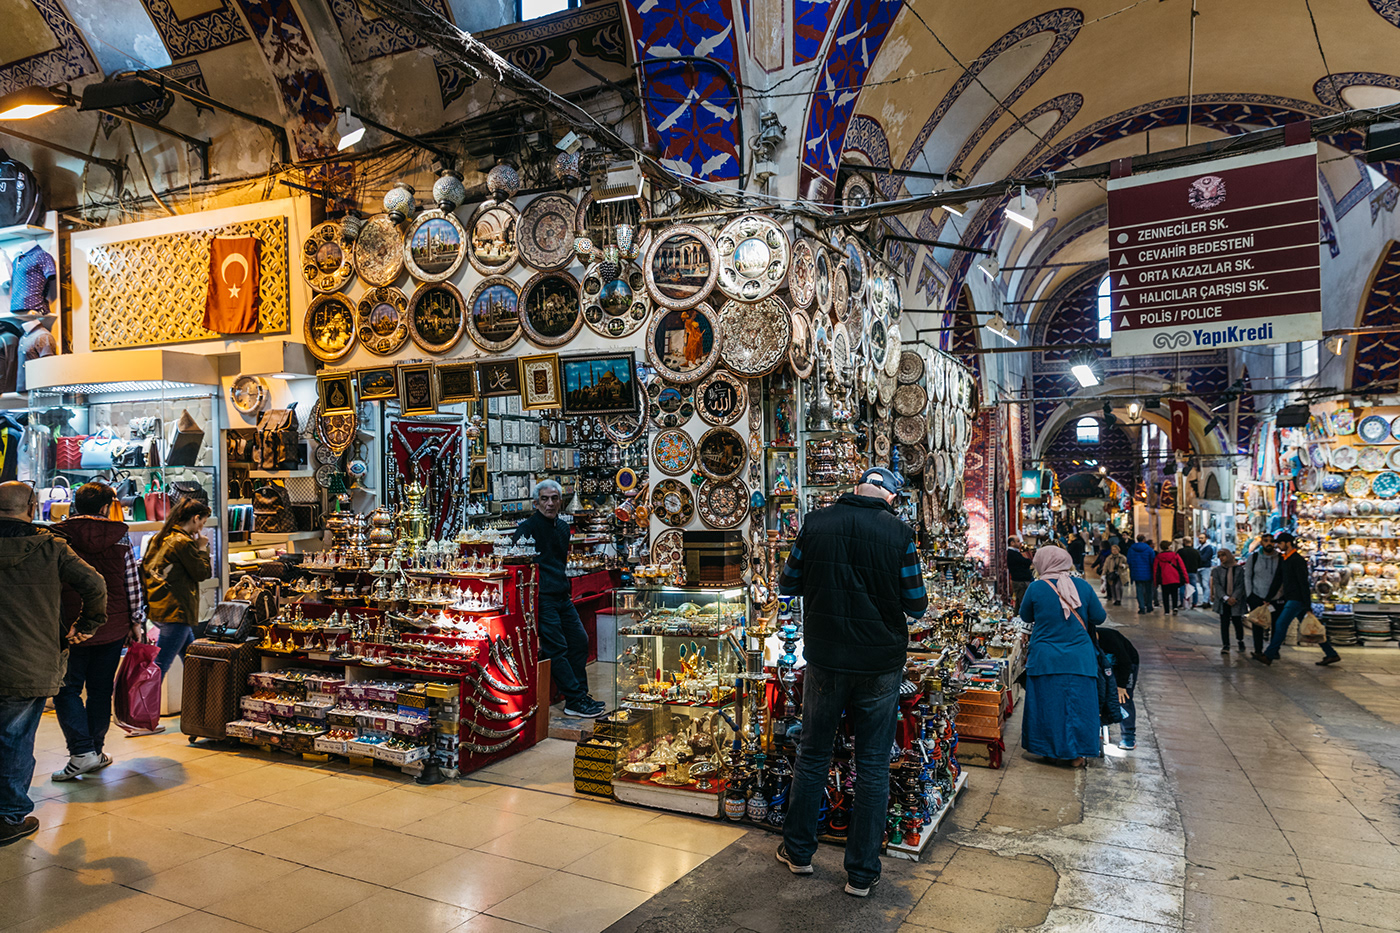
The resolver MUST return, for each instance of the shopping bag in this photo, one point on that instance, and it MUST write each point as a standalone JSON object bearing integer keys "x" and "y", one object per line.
{"x": 1311, "y": 630}
{"x": 1261, "y": 616}
{"x": 136, "y": 697}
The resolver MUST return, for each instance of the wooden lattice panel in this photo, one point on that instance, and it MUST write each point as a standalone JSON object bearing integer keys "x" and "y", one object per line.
{"x": 152, "y": 291}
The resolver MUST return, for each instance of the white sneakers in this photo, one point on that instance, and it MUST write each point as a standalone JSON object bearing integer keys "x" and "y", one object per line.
{"x": 82, "y": 764}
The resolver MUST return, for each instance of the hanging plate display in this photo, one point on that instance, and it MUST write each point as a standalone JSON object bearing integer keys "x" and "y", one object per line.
{"x": 753, "y": 255}
{"x": 615, "y": 307}
{"x": 248, "y": 394}
{"x": 684, "y": 346}
{"x": 721, "y": 398}
{"x": 881, "y": 445}
{"x": 876, "y": 344}
{"x": 379, "y": 251}
{"x": 492, "y": 248}
{"x": 1392, "y": 459}
{"x": 671, "y": 406}
{"x": 492, "y": 315}
{"x": 672, "y": 503}
{"x": 1344, "y": 458}
{"x": 434, "y": 246}
{"x": 910, "y": 400}
{"x": 669, "y": 548}
{"x": 802, "y": 274}
{"x": 841, "y": 294}
{"x": 673, "y": 452}
{"x": 680, "y": 267}
{"x": 326, "y": 262}
{"x": 1372, "y": 460}
{"x": 546, "y": 233}
{"x": 381, "y": 320}
{"x": 723, "y": 503}
{"x": 913, "y": 456}
{"x": 624, "y": 429}
{"x": 909, "y": 430}
{"x": 822, "y": 284}
{"x": 858, "y": 192}
{"x": 756, "y": 336}
{"x": 720, "y": 453}
{"x": 893, "y": 341}
{"x": 549, "y": 309}
{"x": 1356, "y": 485}
{"x": 1373, "y": 429}
{"x": 857, "y": 266}
{"x": 802, "y": 352}
{"x": 911, "y": 367}
{"x": 1386, "y": 485}
{"x": 436, "y": 317}
{"x": 329, "y": 327}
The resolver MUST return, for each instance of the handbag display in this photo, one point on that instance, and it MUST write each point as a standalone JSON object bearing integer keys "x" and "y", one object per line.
{"x": 277, "y": 440}
{"x": 187, "y": 489}
{"x": 130, "y": 454}
{"x": 272, "y": 510}
{"x": 257, "y": 595}
{"x": 240, "y": 444}
{"x": 1261, "y": 616}
{"x": 95, "y": 452}
{"x": 185, "y": 441}
{"x": 56, "y": 495}
{"x": 68, "y": 454}
{"x": 156, "y": 500}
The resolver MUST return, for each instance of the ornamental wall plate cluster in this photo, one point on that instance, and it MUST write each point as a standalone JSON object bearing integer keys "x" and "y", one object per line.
{"x": 753, "y": 255}
{"x": 381, "y": 320}
{"x": 434, "y": 247}
{"x": 670, "y": 406}
{"x": 802, "y": 274}
{"x": 723, "y": 503}
{"x": 721, "y": 453}
{"x": 684, "y": 345}
{"x": 546, "y": 233}
{"x": 673, "y": 452}
{"x": 756, "y": 336}
{"x": 436, "y": 317}
{"x": 721, "y": 398}
{"x": 615, "y": 307}
{"x": 379, "y": 251}
{"x": 549, "y": 309}
{"x": 326, "y": 262}
{"x": 329, "y": 327}
{"x": 672, "y": 503}
{"x": 681, "y": 267}
{"x": 492, "y": 249}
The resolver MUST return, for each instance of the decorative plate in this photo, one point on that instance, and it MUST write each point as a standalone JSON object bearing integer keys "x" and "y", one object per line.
{"x": 617, "y": 307}
{"x": 337, "y": 432}
{"x": 599, "y": 222}
{"x": 1344, "y": 421}
{"x": 549, "y": 309}
{"x": 326, "y": 262}
{"x": 671, "y": 406}
{"x": 545, "y": 234}
{"x": 911, "y": 367}
{"x": 938, "y": 380}
{"x": 325, "y": 454}
{"x": 841, "y": 294}
{"x": 909, "y": 430}
{"x": 492, "y": 248}
{"x": 721, "y": 453}
{"x": 624, "y": 429}
{"x": 881, "y": 445}
{"x": 1344, "y": 458}
{"x": 858, "y": 192}
{"x": 1386, "y": 485}
{"x": 492, "y": 316}
{"x": 802, "y": 352}
{"x": 1372, "y": 459}
{"x": 1392, "y": 459}
{"x": 723, "y": 503}
{"x": 684, "y": 345}
{"x": 910, "y": 400}
{"x": 756, "y": 336}
{"x": 248, "y": 394}
{"x": 1356, "y": 485}
{"x": 681, "y": 267}
{"x": 894, "y": 301}
{"x": 721, "y": 398}
{"x": 802, "y": 274}
{"x": 877, "y": 343}
{"x": 325, "y": 473}
{"x": 841, "y": 352}
{"x": 1373, "y": 429}
{"x": 914, "y": 457}
{"x": 668, "y": 548}
{"x": 1395, "y": 427}
{"x": 436, "y": 317}
{"x": 381, "y": 320}
{"x": 857, "y": 266}
{"x": 672, "y": 503}
{"x": 1318, "y": 456}
{"x": 894, "y": 339}
{"x": 329, "y": 327}
{"x": 822, "y": 284}
{"x": 379, "y": 251}
{"x": 434, "y": 246}
{"x": 753, "y": 254}
{"x": 673, "y": 452}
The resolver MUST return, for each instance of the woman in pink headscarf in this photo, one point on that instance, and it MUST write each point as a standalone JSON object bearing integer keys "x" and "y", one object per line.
{"x": 1061, "y": 717}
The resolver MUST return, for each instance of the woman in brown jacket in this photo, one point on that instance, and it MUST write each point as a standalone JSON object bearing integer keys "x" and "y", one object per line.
{"x": 175, "y": 564}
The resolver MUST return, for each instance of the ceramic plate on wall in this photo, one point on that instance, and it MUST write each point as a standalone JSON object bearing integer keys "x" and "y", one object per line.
{"x": 546, "y": 233}
{"x": 1345, "y": 457}
{"x": 379, "y": 251}
{"x": 1373, "y": 429}
{"x": 1392, "y": 459}
{"x": 673, "y": 452}
{"x": 434, "y": 247}
{"x": 326, "y": 261}
{"x": 1386, "y": 485}
{"x": 1372, "y": 459}
{"x": 435, "y": 317}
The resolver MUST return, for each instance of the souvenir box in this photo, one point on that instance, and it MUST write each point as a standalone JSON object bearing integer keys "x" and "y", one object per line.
{"x": 714, "y": 558}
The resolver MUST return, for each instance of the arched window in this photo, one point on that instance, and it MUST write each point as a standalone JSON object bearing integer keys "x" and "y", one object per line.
{"x": 1086, "y": 431}
{"x": 1105, "y": 310}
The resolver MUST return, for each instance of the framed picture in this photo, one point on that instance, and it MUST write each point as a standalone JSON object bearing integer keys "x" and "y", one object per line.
{"x": 416, "y": 389}
{"x": 600, "y": 384}
{"x": 336, "y": 392}
{"x": 478, "y": 476}
{"x": 456, "y": 382}
{"x": 379, "y": 382}
{"x": 539, "y": 382}
{"x": 498, "y": 377}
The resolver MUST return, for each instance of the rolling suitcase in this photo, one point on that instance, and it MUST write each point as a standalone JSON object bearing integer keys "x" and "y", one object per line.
{"x": 216, "y": 676}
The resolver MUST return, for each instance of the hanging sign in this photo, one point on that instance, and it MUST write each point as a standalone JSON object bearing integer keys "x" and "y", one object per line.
{"x": 1216, "y": 255}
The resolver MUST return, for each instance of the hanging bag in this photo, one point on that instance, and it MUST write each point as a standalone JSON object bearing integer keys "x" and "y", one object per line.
{"x": 272, "y": 510}
{"x": 1311, "y": 630}
{"x": 1261, "y": 616}
{"x": 136, "y": 697}
{"x": 95, "y": 452}
{"x": 1111, "y": 711}
{"x": 157, "y": 502}
{"x": 277, "y": 444}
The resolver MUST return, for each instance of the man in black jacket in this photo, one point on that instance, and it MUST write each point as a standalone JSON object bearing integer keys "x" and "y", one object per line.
{"x": 1293, "y": 589}
{"x": 1123, "y": 658}
{"x": 1018, "y": 567}
{"x": 856, "y": 567}
{"x": 1192, "y": 559}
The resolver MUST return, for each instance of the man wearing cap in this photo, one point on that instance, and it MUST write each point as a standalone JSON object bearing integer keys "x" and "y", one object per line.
{"x": 856, "y": 567}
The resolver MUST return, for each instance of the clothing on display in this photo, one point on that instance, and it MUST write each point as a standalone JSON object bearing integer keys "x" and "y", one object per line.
{"x": 31, "y": 276}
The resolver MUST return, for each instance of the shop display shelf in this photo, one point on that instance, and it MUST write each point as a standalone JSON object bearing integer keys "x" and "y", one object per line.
{"x": 25, "y": 232}
{"x": 912, "y": 853}
{"x": 107, "y": 471}
{"x": 281, "y": 474}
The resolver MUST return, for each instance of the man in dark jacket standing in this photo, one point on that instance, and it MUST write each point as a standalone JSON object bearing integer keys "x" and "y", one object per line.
{"x": 857, "y": 570}
{"x": 1140, "y": 559}
{"x": 1018, "y": 567}
{"x": 34, "y": 566}
{"x": 1192, "y": 559}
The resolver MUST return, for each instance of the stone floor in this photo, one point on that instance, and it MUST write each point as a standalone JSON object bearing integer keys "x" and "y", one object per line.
{"x": 1258, "y": 799}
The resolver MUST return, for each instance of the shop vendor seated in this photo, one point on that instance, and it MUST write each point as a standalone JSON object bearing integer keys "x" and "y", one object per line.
{"x": 562, "y": 637}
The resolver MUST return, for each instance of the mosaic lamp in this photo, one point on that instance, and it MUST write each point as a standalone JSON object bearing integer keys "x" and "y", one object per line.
{"x": 399, "y": 202}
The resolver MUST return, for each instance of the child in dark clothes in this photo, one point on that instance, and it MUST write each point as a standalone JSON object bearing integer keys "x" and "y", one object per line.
{"x": 1123, "y": 657}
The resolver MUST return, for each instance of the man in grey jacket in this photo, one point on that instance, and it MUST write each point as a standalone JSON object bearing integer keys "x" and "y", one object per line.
{"x": 34, "y": 565}
{"x": 1260, "y": 567}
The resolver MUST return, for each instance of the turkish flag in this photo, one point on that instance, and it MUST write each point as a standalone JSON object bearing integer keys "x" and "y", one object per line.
{"x": 232, "y": 305}
{"x": 1181, "y": 420}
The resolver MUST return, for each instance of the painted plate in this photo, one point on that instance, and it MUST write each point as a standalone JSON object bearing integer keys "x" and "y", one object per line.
{"x": 668, "y": 548}
{"x": 1392, "y": 459}
{"x": 911, "y": 367}
{"x": 802, "y": 351}
{"x": 755, "y": 337}
{"x": 753, "y": 254}
{"x": 1386, "y": 485}
{"x": 434, "y": 247}
{"x": 549, "y": 309}
{"x": 670, "y": 406}
{"x": 723, "y": 503}
{"x": 1395, "y": 427}
{"x": 721, "y": 453}
{"x": 841, "y": 294}
{"x": 436, "y": 317}
{"x": 877, "y": 342}
{"x": 1356, "y": 486}
{"x": 685, "y": 345}
{"x": 379, "y": 251}
{"x": 894, "y": 339}
{"x": 858, "y": 192}
{"x": 492, "y": 248}
{"x": 1372, "y": 460}
{"x": 841, "y": 353}
{"x": 381, "y": 320}
{"x": 721, "y": 398}
{"x": 909, "y": 430}
{"x": 329, "y": 327}
{"x": 1373, "y": 429}
{"x": 822, "y": 285}
{"x": 802, "y": 274}
{"x": 326, "y": 262}
{"x": 673, "y": 452}
{"x": 493, "y": 314}
{"x": 672, "y": 503}
{"x": 617, "y": 307}
{"x": 1344, "y": 457}
{"x": 546, "y": 233}
{"x": 913, "y": 456}
{"x": 1318, "y": 456}
{"x": 910, "y": 400}
{"x": 681, "y": 267}
{"x": 1344, "y": 421}
{"x": 857, "y": 265}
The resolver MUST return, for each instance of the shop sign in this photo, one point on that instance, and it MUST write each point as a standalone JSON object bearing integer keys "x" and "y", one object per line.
{"x": 1216, "y": 255}
{"x": 1030, "y": 484}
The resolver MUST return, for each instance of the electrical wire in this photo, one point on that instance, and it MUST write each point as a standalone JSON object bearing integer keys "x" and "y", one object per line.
{"x": 1331, "y": 80}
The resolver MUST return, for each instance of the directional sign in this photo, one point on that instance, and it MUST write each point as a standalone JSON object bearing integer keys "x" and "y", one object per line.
{"x": 1217, "y": 255}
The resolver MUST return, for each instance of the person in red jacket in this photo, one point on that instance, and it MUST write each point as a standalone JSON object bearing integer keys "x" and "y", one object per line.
{"x": 1169, "y": 570}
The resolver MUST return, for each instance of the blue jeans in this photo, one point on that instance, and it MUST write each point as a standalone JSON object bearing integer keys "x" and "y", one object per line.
{"x": 870, "y": 702}
{"x": 1201, "y": 578}
{"x": 1127, "y": 729}
{"x": 19, "y": 721}
{"x": 564, "y": 641}
{"x": 174, "y": 639}
{"x": 1144, "y": 595}
{"x": 95, "y": 669}
{"x": 1292, "y": 610}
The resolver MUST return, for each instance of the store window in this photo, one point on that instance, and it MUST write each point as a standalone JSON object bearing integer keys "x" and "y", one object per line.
{"x": 1105, "y": 310}
{"x": 1086, "y": 431}
{"x": 534, "y": 9}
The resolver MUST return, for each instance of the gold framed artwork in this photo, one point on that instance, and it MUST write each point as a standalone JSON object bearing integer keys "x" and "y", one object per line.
{"x": 378, "y": 382}
{"x": 477, "y": 476}
{"x": 540, "y": 383}
{"x": 336, "y": 392}
{"x": 456, "y": 382}
{"x": 499, "y": 377}
{"x": 417, "y": 389}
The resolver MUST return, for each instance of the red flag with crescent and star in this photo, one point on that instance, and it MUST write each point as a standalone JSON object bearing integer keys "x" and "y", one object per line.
{"x": 232, "y": 305}
{"x": 1181, "y": 422}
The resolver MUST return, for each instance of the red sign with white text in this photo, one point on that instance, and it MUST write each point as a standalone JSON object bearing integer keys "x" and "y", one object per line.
{"x": 1217, "y": 255}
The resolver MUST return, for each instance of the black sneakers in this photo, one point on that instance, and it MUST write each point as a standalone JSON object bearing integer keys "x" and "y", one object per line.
{"x": 855, "y": 891}
{"x": 589, "y": 709}
{"x": 793, "y": 867}
{"x": 14, "y": 832}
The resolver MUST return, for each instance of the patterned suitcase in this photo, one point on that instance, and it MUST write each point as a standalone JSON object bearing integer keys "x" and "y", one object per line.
{"x": 216, "y": 676}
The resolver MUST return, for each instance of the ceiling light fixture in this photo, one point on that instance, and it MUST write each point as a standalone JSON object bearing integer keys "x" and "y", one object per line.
{"x": 1002, "y": 329}
{"x": 990, "y": 267}
{"x": 448, "y": 159}
{"x": 1085, "y": 366}
{"x": 28, "y": 103}
{"x": 1135, "y": 411}
{"x": 956, "y": 208}
{"x": 1024, "y": 211}
{"x": 349, "y": 128}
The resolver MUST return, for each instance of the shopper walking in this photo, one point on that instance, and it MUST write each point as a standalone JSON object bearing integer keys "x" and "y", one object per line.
{"x": 1228, "y": 598}
{"x": 1192, "y": 559}
{"x": 1292, "y": 588}
{"x": 1060, "y": 721}
{"x": 857, "y": 570}
{"x": 176, "y": 562}
{"x": 1018, "y": 567}
{"x": 1169, "y": 572}
{"x": 34, "y": 566}
{"x": 1076, "y": 548}
{"x": 1140, "y": 559}
{"x": 1208, "y": 555}
{"x": 1114, "y": 569}
{"x": 1123, "y": 659}
{"x": 563, "y": 638}
{"x": 1260, "y": 569}
{"x": 92, "y": 666}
